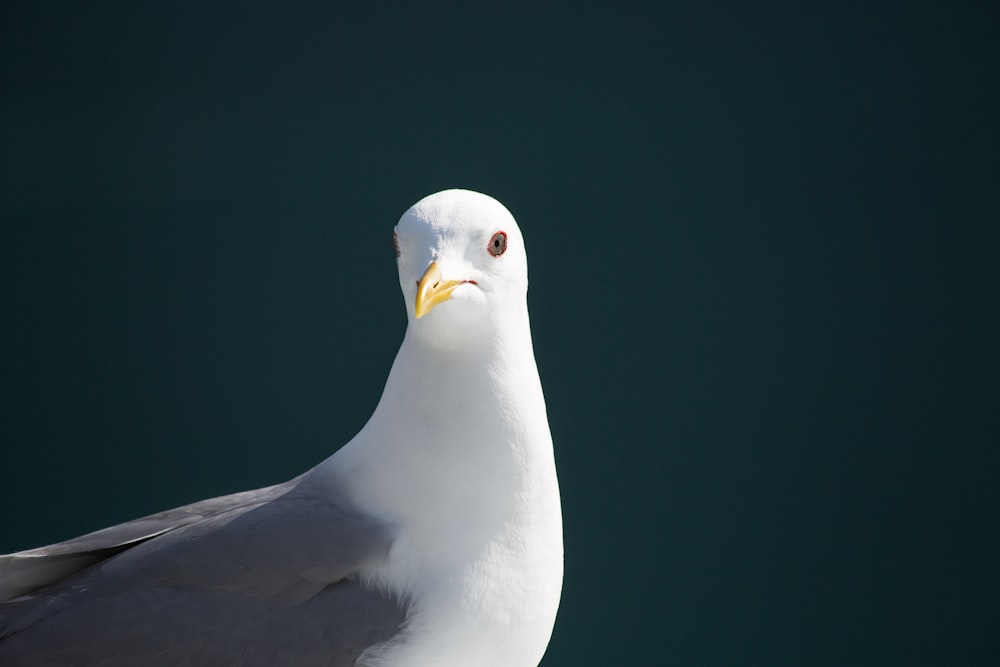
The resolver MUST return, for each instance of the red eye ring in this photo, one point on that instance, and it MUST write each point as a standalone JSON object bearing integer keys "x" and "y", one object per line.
{"x": 498, "y": 244}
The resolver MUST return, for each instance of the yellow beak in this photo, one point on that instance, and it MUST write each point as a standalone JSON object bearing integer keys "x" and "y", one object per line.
{"x": 431, "y": 290}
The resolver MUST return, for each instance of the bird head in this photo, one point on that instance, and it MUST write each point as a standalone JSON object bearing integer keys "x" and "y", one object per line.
{"x": 462, "y": 268}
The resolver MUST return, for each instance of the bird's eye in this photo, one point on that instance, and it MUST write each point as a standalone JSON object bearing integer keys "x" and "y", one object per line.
{"x": 395, "y": 243}
{"x": 498, "y": 244}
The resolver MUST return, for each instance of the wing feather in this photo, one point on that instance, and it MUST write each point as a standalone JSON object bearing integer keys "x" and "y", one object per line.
{"x": 263, "y": 577}
{"x": 25, "y": 571}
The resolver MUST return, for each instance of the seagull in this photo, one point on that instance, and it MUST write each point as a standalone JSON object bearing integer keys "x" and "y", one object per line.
{"x": 432, "y": 538}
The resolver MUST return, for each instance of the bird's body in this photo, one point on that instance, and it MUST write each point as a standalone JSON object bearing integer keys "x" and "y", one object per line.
{"x": 432, "y": 538}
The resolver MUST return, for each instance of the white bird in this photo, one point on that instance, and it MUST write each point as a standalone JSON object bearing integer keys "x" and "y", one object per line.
{"x": 432, "y": 538}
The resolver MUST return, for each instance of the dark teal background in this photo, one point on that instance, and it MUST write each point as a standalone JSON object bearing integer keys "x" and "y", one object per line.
{"x": 763, "y": 244}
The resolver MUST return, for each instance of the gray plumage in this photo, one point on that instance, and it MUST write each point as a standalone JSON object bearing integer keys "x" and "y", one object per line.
{"x": 257, "y": 578}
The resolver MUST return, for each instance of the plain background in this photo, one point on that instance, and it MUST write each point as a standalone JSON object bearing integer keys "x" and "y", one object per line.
{"x": 763, "y": 244}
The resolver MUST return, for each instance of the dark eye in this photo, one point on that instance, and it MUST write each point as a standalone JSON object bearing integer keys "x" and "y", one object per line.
{"x": 395, "y": 243}
{"x": 498, "y": 244}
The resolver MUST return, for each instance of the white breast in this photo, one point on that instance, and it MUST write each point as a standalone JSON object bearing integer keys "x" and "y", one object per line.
{"x": 487, "y": 604}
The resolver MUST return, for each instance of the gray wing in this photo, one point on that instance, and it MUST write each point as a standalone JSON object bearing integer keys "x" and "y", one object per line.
{"x": 263, "y": 577}
{"x": 28, "y": 570}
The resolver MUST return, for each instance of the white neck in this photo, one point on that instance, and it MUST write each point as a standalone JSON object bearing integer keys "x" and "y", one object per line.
{"x": 453, "y": 426}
